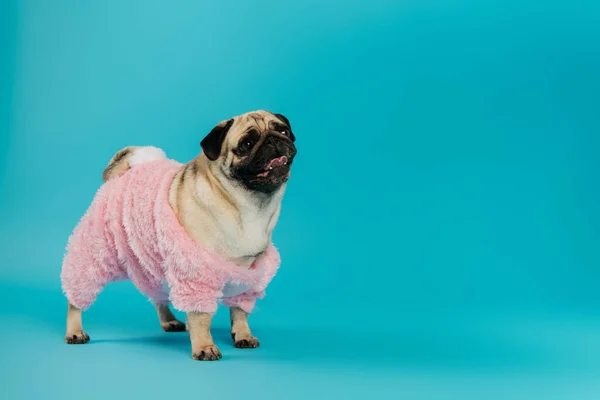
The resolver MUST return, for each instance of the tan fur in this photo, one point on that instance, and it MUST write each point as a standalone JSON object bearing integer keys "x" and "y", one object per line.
{"x": 240, "y": 330}
{"x": 75, "y": 333}
{"x": 203, "y": 346}
{"x": 118, "y": 165}
{"x": 167, "y": 320}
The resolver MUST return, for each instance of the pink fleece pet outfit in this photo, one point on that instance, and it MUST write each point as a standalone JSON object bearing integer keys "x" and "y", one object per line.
{"x": 131, "y": 232}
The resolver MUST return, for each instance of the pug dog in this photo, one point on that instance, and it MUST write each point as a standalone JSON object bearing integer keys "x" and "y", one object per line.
{"x": 202, "y": 229}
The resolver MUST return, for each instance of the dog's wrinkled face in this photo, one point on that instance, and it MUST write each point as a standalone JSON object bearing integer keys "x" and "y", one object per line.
{"x": 257, "y": 149}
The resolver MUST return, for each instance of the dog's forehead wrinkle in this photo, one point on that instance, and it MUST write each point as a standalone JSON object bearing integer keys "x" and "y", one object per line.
{"x": 228, "y": 160}
{"x": 258, "y": 119}
{"x": 261, "y": 124}
{"x": 254, "y": 121}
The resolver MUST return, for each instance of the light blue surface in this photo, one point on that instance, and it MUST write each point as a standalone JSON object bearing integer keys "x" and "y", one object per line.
{"x": 440, "y": 235}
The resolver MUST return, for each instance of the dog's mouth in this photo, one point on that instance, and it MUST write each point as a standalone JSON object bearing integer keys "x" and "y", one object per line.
{"x": 266, "y": 176}
{"x": 275, "y": 167}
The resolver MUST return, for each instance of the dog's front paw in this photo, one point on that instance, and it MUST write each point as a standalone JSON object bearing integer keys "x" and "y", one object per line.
{"x": 245, "y": 341}
{"x": 79, "y": 337}
{"x": 207, "y": 353}
{"x": 173, "y": 326}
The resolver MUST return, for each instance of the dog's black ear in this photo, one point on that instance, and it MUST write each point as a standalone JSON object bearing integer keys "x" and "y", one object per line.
{"x": 212, "y": 143}
{"x": 283, "y": 119}
{"x": 286, "y": 121}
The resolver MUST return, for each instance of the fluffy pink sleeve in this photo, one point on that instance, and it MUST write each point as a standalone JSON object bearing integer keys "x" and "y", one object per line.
{"x": 194, "y": 295}
{"x": 269, "y": 262}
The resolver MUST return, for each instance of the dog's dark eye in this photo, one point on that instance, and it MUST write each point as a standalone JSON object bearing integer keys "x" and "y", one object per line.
{"x": 284, "y": 130}
{"x": 246, "y": 145}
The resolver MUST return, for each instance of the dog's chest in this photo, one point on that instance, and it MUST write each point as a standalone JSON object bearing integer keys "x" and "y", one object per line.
{"x": 248, "y": 236}
{"x": 239, "y": 230}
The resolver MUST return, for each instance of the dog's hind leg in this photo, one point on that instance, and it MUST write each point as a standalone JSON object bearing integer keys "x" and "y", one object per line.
{"x": 156, "y": 292}
{"x": 168, "y": 321}
{"x": 82, "y": 291}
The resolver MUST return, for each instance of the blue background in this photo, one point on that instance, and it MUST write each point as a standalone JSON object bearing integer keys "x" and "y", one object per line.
{"x": 440, "y": 232}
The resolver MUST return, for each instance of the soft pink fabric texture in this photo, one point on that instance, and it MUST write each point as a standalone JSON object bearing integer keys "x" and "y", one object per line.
{"x": 131, "y": 232}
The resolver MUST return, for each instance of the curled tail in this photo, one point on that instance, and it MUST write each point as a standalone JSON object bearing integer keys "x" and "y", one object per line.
{"x": 129, "y": 157}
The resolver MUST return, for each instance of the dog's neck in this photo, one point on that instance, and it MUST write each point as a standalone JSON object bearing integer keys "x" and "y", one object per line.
{"x": 221, "y": 214}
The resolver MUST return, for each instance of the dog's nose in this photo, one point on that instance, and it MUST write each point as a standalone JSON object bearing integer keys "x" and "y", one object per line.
{"x": 277, "y": 144}
{"x": 274, "y": 144}
{"x": 271, "y": 141}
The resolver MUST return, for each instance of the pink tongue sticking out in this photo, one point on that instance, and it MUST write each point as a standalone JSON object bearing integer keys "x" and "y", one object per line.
{"x": 276, "y": 162}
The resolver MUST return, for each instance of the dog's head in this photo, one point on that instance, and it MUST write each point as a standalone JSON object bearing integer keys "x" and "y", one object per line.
{"x": 256, "y": 149}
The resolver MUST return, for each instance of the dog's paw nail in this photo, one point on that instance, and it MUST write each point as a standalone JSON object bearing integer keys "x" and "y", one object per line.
{"x": 247, "y": 343}
{"x": 209, "y": 353}
{"x": 77, "y": 338}
{"x": 173, "y": 326}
